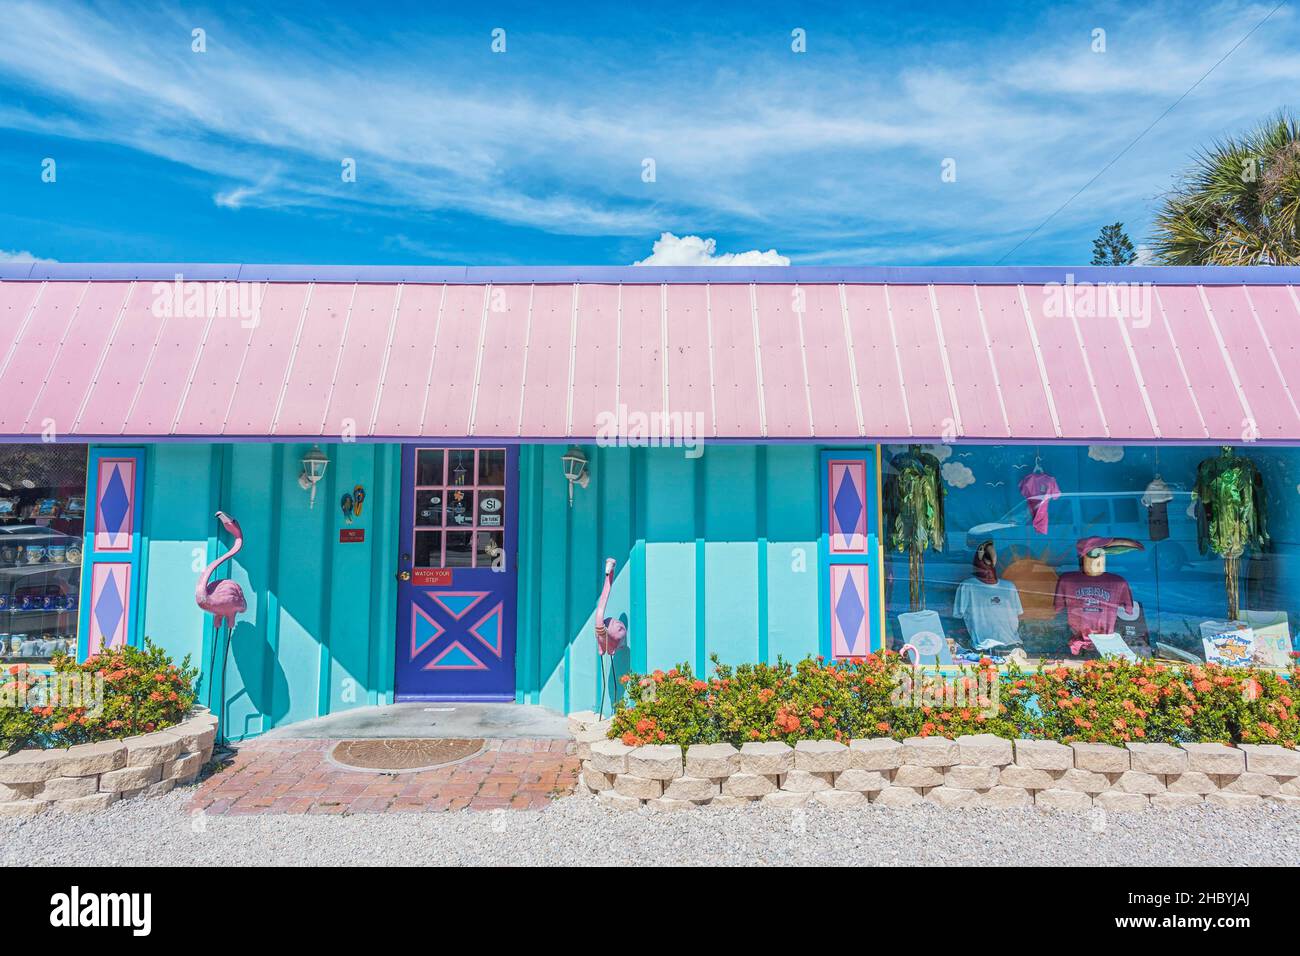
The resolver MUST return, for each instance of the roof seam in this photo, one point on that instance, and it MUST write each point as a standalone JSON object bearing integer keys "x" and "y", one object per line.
{"x": 54, "y": 359}
{"x": 1038, "y": 357}
{"x": 1250, "y": 420}
{"x": 1182, "y": 367}
{"x": 959, "y": 429}
{"x": 988, "y": 346}
{"x": 851, "y": 355}
{"x": 293, "y": 357}
{"x": 383, "y": 365}
{"x": 338, "y": 360}
{"x": 208, "y": 318}
{"x": 1272, "y": 355}
{"x": 103, "y": 356}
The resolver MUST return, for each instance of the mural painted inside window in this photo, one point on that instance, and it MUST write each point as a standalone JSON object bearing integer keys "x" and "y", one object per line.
{"x": 42, "y": 520}
{"x": 1183, "y": 553}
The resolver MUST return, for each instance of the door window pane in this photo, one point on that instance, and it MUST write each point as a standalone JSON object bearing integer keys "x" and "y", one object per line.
{"x": 491, "y": 509}
{"x": 489, "y": 549}
{"x": 428, "y": 507}
{"x": 460, "y": 549}
{"x": 460, "y": 466}
{"x": 428, "y": 549}
{"x": 460, "y": 508}
{"x": 492, "y": 466}
{"x": 428, "y": 468}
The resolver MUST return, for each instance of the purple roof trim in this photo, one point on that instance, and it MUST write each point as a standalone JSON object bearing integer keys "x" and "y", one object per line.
{"x": 649, "y": 275}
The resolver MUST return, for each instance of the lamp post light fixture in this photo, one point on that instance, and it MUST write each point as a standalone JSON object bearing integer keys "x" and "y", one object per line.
{"x": 575, "y": 469}
{"x": 314, "y": 464}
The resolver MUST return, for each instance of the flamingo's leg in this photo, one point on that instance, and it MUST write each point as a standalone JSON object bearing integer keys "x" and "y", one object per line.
{"x": 212, "y": 661}
{"x": 221, "y": 714}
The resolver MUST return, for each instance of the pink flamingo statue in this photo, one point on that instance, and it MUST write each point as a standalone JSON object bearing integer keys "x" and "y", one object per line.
{"x": 611, "y": 634}
{"x": 223, "y": 600}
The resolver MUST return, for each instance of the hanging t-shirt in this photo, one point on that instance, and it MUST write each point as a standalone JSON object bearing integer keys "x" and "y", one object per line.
{"x": 1039, "y": 489}
{"x": 1092, "y": 602}
{"x": 991, "y": 612}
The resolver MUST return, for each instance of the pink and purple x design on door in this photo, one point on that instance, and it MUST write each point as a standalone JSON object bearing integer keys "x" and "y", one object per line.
{"x": 456, "y": 591}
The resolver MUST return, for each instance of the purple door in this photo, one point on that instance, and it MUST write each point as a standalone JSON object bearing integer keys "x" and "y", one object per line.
{"x": 456, "y": 584}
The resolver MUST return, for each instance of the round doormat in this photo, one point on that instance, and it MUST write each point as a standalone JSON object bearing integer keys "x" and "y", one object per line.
{"x": 387, "y": 755}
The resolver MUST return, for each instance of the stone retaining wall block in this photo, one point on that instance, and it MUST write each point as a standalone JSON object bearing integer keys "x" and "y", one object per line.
{"x": 821, "y": 756}
{"x": 766, "y": 757}
{"x": 712, "y": 760}
{"x": 1043, "y": 755}
{"x": 877, "y": 753}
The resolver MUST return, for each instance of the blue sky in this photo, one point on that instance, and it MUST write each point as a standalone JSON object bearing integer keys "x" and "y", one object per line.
{"x": 535, "y": 155}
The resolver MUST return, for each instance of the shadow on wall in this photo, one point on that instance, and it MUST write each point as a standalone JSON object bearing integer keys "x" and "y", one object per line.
{"x": 248, "y": 658}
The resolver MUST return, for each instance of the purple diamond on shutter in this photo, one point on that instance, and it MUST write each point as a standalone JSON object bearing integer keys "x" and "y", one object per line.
{"x": 848, "y": 504}
{"x": 108, "y": 609}
{"x": 114, "y": 503}
{"x": 849, "y": 612}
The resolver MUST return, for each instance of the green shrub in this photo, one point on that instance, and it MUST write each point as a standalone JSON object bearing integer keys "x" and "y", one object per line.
{"x": 1108, "y": 701}
{"x": 143, "y": 691}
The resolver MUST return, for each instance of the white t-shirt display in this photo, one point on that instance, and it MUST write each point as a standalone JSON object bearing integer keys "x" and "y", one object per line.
{"x": 991, "y": 612}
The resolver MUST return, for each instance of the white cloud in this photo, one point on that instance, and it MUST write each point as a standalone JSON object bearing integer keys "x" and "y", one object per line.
{"x": 24, "y": 256}
{"x": 957, "y": 474}
{"x": 670, "y": 250}
{"x": 1107, "y": 453}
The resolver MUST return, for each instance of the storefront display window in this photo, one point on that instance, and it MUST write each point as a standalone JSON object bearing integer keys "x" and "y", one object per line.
{"x": 42, "y": 518}
{"x": 1183, "y": 553}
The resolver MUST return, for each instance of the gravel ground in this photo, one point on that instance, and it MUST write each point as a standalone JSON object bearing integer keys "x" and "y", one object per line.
{"x": 577, "y": 830}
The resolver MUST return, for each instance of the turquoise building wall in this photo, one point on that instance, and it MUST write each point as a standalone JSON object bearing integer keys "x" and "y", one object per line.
{"x": 318, "y": 634}
{"x": 716, "y": 555}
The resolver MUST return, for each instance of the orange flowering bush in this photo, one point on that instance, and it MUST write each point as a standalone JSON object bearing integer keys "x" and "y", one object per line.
{"x": 1107, "y": 701}
{"x": 814, "y": 700}
{"x": 1114, "y": 701}
{"x": 142, "y": 691}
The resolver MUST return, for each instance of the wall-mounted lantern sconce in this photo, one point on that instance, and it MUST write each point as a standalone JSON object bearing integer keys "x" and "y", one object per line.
{"x": 313, "y": 470}
{"x": 575, "y": 469}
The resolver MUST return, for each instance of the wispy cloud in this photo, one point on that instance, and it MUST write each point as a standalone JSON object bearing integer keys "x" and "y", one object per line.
{"x": 825, "y": 153}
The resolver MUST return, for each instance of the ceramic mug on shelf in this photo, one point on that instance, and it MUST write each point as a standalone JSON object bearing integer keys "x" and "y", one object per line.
{"x": 35, "y": 553}
{"x": 74, "y": 554}
{"x": 58, "y": 553}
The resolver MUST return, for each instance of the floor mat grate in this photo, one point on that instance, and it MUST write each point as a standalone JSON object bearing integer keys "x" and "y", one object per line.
{"x": 399, "y": 755}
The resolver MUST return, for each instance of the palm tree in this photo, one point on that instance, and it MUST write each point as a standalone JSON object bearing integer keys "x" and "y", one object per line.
{"x": 1239, "y": 204}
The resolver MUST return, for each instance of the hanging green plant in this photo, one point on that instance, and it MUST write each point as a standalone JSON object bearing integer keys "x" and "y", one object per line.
{"x": 914, "y": 514}
{"x": 1230, "y": 518}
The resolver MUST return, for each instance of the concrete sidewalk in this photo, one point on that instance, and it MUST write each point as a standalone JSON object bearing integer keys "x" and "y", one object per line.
{"x": 432, "y": 719}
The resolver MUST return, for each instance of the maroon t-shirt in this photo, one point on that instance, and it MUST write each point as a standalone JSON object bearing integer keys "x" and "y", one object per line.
{"x": 1092, "y": 601}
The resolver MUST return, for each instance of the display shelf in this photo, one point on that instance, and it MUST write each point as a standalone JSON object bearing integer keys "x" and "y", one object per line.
{"x": 26, "y": 570}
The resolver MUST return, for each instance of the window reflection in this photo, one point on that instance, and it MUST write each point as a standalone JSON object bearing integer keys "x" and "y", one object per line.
{"x": 1106, "y": 555}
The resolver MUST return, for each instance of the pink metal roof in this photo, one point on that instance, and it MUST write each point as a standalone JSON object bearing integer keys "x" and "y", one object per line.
{"x": 747, "y": 359}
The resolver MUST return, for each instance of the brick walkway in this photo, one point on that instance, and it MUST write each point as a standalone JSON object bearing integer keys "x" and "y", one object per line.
{"x": 294, "y": 776}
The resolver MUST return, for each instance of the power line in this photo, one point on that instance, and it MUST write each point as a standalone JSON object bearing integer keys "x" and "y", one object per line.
{"x": 1139, "y": 136}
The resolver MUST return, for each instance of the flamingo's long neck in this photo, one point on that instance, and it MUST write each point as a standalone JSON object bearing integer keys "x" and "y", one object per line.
{"x": 207, "y": 572}
{"x": 604, "y": 597}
